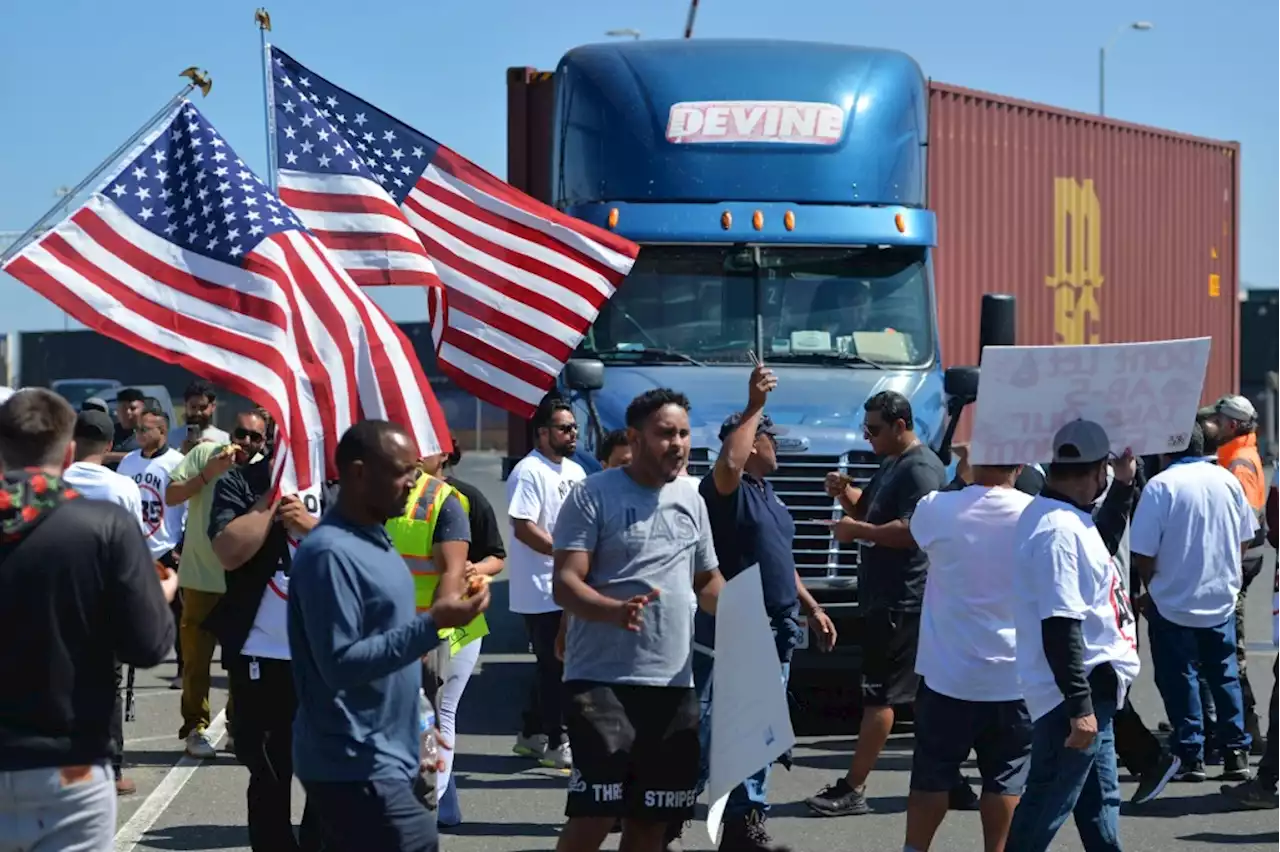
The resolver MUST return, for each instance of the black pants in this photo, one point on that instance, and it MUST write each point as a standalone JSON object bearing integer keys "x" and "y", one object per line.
{"x": 1137, "y": 749}
{"x": 372, "y": 816}
{"x": 263, "y": 729}
{"x": 1267, "y": 767}
{"x": 117, "y": 724}
{"x": 545, "y": 714}
{"x": 1250, "y": 568}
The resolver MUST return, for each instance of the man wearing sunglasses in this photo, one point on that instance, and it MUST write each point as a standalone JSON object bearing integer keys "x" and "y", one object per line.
{"x": 536, "y": 489}
{"x": 890, "y": 584}
{"x": 203, "y": 579}
{"x": 253, "y": 538}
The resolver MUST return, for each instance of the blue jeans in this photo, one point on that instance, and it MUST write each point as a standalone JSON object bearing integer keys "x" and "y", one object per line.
{"x": 750, "y": 795}
{"x": 1183, "y": 654}
{"x": 1070, "y": 782}
{"x": 72, "y": 809}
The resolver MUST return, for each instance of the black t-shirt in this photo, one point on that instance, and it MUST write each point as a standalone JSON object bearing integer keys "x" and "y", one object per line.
{"x": 76, "y": 594}
{"x": 234, "y": 495}
{"x": 486, "y": 535}
{"x": 893, "y": 578}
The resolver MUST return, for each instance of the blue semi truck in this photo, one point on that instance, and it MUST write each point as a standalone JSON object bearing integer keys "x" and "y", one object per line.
{"x": 778, "y": 192}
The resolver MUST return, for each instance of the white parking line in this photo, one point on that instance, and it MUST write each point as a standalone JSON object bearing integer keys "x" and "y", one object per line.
{"x": 165, "y": 792}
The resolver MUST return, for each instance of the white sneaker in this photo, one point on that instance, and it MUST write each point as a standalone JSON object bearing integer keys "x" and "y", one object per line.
{"x": 559, "y": 757}
{"x": 534, "y": 746}
{"x": 200, "y": 747}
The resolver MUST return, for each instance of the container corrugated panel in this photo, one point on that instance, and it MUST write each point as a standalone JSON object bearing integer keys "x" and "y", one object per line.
{"x": 1106, "y": 232}
{"x": 530, "y": 107}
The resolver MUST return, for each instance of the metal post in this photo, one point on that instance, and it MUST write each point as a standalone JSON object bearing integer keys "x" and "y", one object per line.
{"x": 263, "y": 19}
{"x": 688, "y": 24}
{"x": 759, "y": 298}
{"x": 479, "y": 423}
{"x": 1102, "y": 81}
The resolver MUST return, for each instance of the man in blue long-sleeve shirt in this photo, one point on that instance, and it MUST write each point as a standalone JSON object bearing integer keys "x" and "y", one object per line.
{"x": 356, "y": 642}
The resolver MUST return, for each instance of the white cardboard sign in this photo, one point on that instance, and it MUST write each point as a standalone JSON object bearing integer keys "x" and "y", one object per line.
{"x": 1144, "y": 394}
{"x": 750, "y": 719}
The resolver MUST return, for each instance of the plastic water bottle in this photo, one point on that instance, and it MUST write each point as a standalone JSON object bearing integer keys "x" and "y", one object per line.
{"x": 428, "y": 749}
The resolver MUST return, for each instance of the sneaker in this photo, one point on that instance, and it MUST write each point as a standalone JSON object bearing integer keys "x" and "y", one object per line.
{"x": 1191, "y": 770}
{"x": 560, "y": 757}
{"x": 748, "y": 834}
{"x": 675, "y": 832}
{"x": 962, "y": 797}
{"x": 176, "y": 683}
{"x": 200, "y": 747}
{"x": 1152, "y": 782}
{"x": 534, "y": 746}
{"x": 1212, "y": 756}
{"x": 1235, "y": 766}
{"x": 1254, "y": 794}
{"x": 840, "y": 799}
{"x": 125, "y": 786}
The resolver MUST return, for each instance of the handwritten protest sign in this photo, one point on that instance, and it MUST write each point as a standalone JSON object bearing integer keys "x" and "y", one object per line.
{"x": 750, "y": 719}
{"x": 1144, "y": 394}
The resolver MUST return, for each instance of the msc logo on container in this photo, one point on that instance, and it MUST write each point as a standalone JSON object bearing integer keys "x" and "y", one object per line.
{"x": 1077, "y": 262}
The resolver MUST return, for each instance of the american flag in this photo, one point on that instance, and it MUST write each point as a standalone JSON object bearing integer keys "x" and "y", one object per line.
{"x": 522, "y": 281}
{"x": 186, "y": 255}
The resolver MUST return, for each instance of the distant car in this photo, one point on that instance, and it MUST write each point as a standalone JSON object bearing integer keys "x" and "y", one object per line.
{"x": 157, "y": 395}
{"x": 76, "y": 391}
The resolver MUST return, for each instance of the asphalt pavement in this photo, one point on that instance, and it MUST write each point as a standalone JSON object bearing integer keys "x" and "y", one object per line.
{"x": 511, "y": 804}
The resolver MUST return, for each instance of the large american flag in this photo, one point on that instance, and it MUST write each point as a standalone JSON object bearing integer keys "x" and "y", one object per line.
{"x": 186, "y": 255}
{"x": 522, "y": 281}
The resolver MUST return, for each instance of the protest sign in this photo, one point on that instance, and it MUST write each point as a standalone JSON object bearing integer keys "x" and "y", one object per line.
{"x": 750, "y": 719}
{"x": 1144, "y": 394}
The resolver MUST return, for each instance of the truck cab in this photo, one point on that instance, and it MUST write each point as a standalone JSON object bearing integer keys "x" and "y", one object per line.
{"x": 778, "y": 192}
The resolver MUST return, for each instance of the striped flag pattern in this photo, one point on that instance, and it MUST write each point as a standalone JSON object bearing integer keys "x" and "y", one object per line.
{"x": 523, "y": 282}
{"x": 186, "y": 255}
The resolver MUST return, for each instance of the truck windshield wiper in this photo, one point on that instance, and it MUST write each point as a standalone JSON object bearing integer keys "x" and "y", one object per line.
{"x": 846, "y": 358}
{"x": 648, "y": 353}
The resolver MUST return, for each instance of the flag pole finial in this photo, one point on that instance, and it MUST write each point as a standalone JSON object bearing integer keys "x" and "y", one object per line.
{"x": 199, "y": 78}
{"x": 263, "y": 18}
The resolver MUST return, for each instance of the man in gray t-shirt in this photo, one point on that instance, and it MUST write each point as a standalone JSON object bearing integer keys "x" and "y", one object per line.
{"x": 633, "y": 553}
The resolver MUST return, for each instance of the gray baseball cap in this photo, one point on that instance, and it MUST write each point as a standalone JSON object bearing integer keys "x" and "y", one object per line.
{"x": 94, "y": 425}
{"x": 94, "y": 403}
{"x": 1081, "y": 441}
{"x": 763, "y": 427}
{"x": 1237, "y": 408}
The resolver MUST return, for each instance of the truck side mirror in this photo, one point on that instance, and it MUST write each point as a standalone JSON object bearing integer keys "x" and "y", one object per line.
{"x": 961, "y": 383}
{"x": 998, "y": 325}
{"x": 584, "y": 374}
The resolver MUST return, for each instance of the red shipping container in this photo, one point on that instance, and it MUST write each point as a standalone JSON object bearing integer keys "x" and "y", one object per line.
{"x": 1106, "y": 232}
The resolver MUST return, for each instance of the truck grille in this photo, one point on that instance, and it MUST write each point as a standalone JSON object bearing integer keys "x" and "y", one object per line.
{"x": 798, "y": 482}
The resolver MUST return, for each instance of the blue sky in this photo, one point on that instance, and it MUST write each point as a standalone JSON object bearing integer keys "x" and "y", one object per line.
{"x": 77, "y": 77}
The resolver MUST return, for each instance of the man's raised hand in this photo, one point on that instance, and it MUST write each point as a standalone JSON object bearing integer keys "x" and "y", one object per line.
{"x": 763, "y": 381}
{"x": 631, "y": 614}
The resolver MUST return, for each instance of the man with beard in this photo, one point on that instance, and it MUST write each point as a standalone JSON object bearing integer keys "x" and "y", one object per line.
{"x": 201, "y": 403}
{"x": 250, "y": 537}
{"x": 751, "y": 525}
{"x": 536, "y": 489}
{"x": 891, "y": 583}
{"x": 356, "y": 641}
{"x": 633, "y": 552}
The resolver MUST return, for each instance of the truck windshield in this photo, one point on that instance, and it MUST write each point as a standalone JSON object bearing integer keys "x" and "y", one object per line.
{"x": 698, "y": 304}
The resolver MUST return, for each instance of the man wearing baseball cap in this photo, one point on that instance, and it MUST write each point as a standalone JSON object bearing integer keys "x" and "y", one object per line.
{"x": 1234, "y": 423}
{"x": 750, "y": 525}
{"x": 1076, "y": 650}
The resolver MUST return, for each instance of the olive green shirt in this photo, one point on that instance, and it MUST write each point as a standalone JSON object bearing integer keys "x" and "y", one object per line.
{"x": 199, "y": 568}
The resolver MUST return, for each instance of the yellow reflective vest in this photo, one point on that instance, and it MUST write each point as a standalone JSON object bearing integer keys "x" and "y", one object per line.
{"x": 412, "y": 533}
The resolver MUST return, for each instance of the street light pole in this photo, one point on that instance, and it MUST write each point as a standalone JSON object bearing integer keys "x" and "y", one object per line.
{"x": 1141, "y": 26}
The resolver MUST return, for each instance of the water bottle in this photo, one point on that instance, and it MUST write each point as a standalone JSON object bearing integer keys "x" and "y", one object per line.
{"x": 428, "y": 750}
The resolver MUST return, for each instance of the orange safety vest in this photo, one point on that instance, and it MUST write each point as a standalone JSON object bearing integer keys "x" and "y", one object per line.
{"x": 1240, "y": 456}
{"x": 412, "y": 533}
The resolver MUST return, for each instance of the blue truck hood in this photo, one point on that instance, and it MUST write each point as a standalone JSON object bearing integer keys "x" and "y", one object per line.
{"x": 821, "y": 407}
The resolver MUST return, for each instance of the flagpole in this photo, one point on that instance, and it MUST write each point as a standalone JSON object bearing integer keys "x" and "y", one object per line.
{"x": 263, "y": 19}
{"x": 199, "y": 79}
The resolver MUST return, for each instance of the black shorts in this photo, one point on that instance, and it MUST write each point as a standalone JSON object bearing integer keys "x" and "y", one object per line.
{"x": 635, "y": 751}
{"x": 947, "y": 728}
{"x": 889, "y": 639}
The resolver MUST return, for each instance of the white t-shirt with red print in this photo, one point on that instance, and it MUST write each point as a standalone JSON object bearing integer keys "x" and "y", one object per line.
{"x": 1063, "y": 570}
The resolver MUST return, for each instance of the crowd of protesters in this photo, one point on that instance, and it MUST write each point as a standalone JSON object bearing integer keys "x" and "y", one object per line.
{"x": 1003, "y": 604}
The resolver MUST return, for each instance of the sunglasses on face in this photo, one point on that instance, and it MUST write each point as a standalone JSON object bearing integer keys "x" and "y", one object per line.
{"x": 872, "y": 430}
{"x": 242, "y": 434}
{"x": 565, "y": 428}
